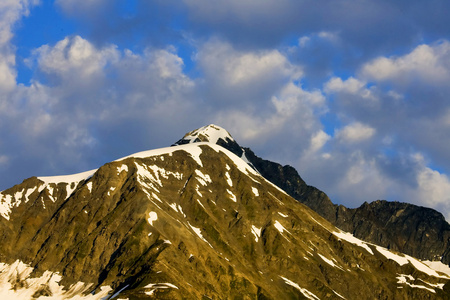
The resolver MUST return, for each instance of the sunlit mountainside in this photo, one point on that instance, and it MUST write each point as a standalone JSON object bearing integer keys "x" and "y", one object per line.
{"x": 203, "y": 219}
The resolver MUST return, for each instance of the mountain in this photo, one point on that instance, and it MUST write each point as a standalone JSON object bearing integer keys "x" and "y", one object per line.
{"x": 418, "y": 231}
{"x": 192, "y": 221}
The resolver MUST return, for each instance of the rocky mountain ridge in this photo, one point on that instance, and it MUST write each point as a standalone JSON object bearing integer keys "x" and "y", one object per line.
{"x": 193, "y": 221}
{"x": 407, "y": 228}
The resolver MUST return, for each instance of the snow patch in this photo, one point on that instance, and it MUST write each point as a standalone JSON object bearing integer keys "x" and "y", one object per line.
{"x": 70, "y": 187}
{"x": 329, "y": 261}
{"x": 29, "y": 192}
{"x": 202, "y": 178}
{"x": 161, "y": 172}
{"x": 180, "y": 209}
{"x": 305, "y": 292}
{"x": 9, "y": 274}
{"x": 89, "y": 186}
{"x": 156, "y": 197}
{"x": 201, "y": 204}
{"x": 210, "y": 133}
{"x": 198, "y": 232}
{"x": 229, "y": 181}
{"x": 256, "y": 232}
{"x": 197, "y": 190}
{"x": 68, "y": 178}
{"x": 192, "y": 149}
{"x": 438, "y": 266}
{"x": 255, "y": 191}
{"x": 403, "y": 279}
{"x": 340, "y": 296}
{"x": 232, "y": 196}
{"x": 404, "y": 259}
{"x": 280, "y": 227}
{"x": 5, "y": 205}
{"x": 239, "y": 163}
{"x": 155, "y": 286}
{"x": 153, "y": 217}
{"x": 122, "y": 168}
{"x": 174, "y": 207}
{"x": 351, "y": 239}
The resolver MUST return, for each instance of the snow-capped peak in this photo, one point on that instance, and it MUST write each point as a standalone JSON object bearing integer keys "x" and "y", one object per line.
{"x": 210, "y": 133}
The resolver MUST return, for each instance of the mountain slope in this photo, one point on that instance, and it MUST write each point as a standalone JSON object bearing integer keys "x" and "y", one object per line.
{"x": 411, "y": 229}
{"x": 189, "y": 222}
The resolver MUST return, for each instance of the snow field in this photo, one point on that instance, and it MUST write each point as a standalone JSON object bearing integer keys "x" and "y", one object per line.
{"x": 20, "y": 271}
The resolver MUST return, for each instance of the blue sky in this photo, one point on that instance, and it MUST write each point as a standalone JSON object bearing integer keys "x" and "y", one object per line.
{"x": 352, "y": 93}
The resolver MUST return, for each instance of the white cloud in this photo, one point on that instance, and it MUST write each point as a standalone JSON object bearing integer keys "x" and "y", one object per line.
{"x": 75, "y": 56}
{"x": 429, "y": 63}
{"x": 433, "y": 190}
{"x": 328, "y": 35}
{"x": 318, "y": 140}
{"x": 355, "y": 132}
{"x": 7, "y": 73}
{"x": 304, "y": 41}
{"x": 233, "y": 68}
{"x": 82, "y": 94}
{"x": 361, "y": 172}
{"x": 351, "y": 86}
{"x": 10, "y": 12}
{"x": 293, "y": 108}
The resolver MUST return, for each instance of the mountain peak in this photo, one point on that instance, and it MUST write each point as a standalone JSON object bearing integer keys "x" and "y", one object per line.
{"x": 209, "y": 133}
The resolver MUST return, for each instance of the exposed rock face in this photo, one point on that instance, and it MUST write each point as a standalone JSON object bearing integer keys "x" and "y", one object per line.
{"x": 414, "y": 230}
{"x": 418, "y": 231}
{"x": 191, "y": 222}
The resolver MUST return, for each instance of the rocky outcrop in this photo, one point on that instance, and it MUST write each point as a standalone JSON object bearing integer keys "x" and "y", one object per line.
{"x": 415, "y": 230}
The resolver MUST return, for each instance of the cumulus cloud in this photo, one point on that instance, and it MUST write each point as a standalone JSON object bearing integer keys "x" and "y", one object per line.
{"x": 433, "y": 190}
{"x": 355, "y": 132}
{"x": 82, "y": 95}
{"x": 318, "y": 140}
{"x": 10, "y": 12}
{"x": 350, "y": 86}
{"x": 395, "y": 106}
{"x": 427, "y": 63}
{"x": 75, "y": 57}
{"x": 232, "y": 75}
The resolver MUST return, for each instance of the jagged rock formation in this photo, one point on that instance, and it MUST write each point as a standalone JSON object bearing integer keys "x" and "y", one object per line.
{"x": 411, "y": 229}
{"x": 189, "y": 222}
{"x": 419, "y": 231}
